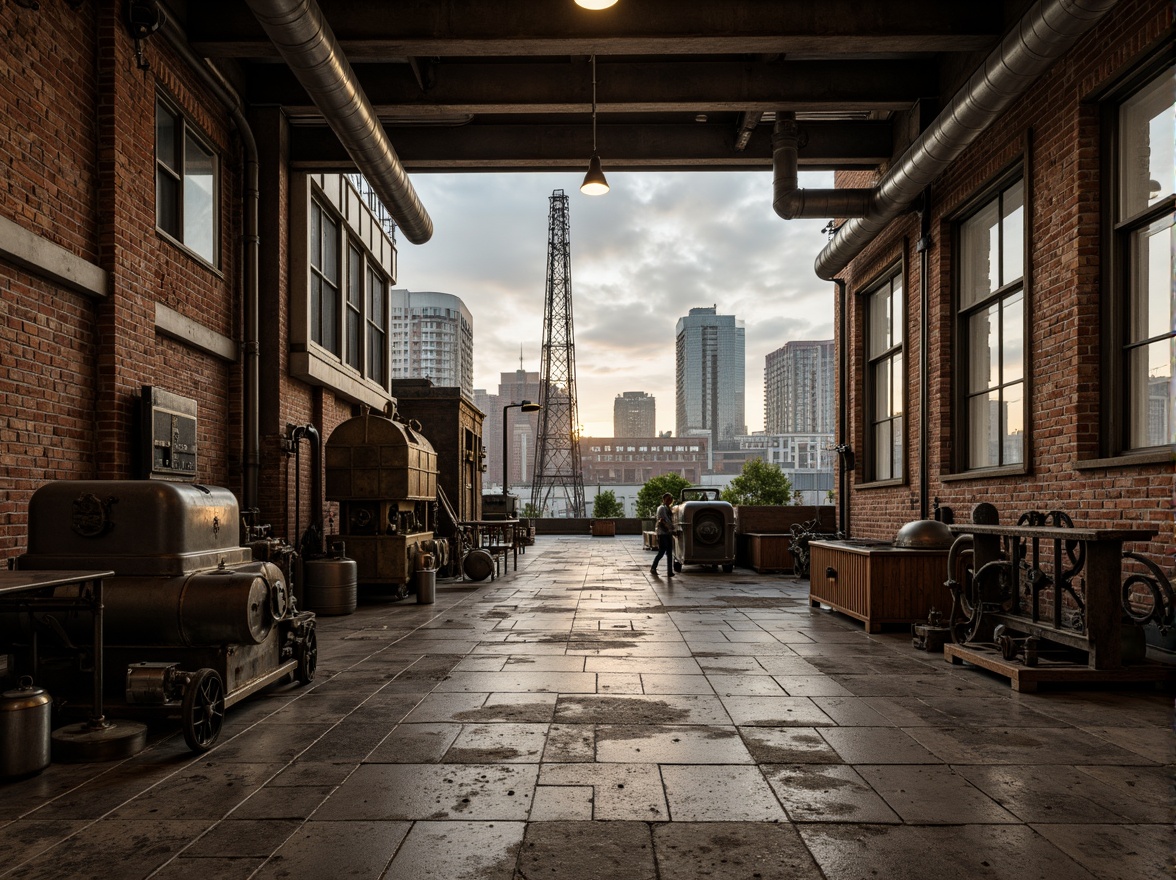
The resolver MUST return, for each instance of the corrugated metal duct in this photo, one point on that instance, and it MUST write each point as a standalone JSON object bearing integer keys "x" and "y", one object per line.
{"x": 1047, "y": 31}
{"x": 305, "y": 40}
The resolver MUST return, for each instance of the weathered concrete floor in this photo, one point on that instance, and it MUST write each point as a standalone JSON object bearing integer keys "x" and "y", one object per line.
{"x": 580, "y": 719}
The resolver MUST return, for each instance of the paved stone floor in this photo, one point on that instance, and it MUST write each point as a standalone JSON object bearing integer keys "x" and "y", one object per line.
{"x": 581, "y": 719}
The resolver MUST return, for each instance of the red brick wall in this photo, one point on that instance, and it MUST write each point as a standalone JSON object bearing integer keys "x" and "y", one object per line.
{"x": 1055, "y": 127}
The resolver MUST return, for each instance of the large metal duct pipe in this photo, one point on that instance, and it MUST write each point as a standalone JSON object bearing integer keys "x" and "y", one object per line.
{"x": 300, "y": 32}
{"x": 1046, "y": 32}
{"x": 792, "y": 202}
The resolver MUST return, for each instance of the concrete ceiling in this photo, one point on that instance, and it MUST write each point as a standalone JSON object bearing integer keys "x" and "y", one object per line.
{"x": 480, "y": 85}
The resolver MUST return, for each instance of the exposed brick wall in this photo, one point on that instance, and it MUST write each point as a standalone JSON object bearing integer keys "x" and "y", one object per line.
{"x": 1054, "y": 129}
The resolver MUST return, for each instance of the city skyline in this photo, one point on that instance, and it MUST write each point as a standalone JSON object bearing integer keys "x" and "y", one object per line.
{"x": 657, "y": 245}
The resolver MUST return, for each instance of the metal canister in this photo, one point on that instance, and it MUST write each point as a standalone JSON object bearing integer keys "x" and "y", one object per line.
{"x": 24, "y": 730}
{"x": 330, "y": 586}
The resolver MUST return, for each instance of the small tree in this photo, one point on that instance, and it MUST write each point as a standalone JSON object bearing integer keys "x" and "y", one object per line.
{"x": 760, "y": 483}
{"x": 606, "y": 506}
{"x": 530, "y": 511}
{"x": 650, "y": 495}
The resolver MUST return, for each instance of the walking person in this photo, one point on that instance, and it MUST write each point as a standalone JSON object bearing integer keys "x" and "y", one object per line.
{"x": 665, "y": 536}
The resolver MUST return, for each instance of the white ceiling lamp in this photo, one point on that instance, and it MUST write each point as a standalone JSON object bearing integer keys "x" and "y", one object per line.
{"x": 594, "y": 183}
{"x": 596, "y": 4}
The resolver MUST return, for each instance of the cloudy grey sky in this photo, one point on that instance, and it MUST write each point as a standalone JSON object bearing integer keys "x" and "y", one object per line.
{"x": 654, "y": 247}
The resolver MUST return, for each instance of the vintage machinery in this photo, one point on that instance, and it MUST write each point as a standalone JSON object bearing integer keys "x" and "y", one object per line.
{"x": 383, "y": 473}
{"x": 704, "y": 529}
{"x": 193, "y": 623}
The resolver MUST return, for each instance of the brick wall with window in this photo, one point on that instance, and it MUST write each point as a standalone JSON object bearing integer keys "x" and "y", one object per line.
{"x": 1095, "y": 333}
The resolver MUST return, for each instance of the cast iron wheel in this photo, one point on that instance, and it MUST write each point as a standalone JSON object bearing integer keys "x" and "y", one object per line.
{"x": 203, "y": 709}
{"x": 306, "y": 653}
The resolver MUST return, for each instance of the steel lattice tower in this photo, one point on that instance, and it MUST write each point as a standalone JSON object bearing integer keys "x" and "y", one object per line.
{"x": 557, "y": 449}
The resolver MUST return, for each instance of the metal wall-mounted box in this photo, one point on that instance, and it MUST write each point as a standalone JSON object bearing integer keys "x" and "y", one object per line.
{"x": 168, "y": 435}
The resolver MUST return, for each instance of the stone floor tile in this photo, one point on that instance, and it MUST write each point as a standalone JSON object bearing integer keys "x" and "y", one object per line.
{"x": 643, "y": 665}
{"x": 620, "y": 791}
{"x": 788, "y": 745}
{"x": 581, "y": 850}
{"x": 1059, "y": 794}
{"x": 1020, "y": 745}
{"x": 112, "y": 848}
{"x": 618, "y": 683}
{"x": 912, "y": 852}
{"x": 1142, "y": 794}
{"x": 1112, "y": 852}
{"x": 876, "y": 745}
{"x": 545, "y": 663}
{"x": 243, "y": 838}
{"x": 459, "y": 851}
{"x": 185, "y": 867}
{"x": 658, "y": 683}
{"x": 775, "y": 711}
{"x": 708, "y": 793}
{"x": 283, "y": 802}
{"x": 570, "y": 744}
{"x": 498, "y": 792}
{"x": 933, "y": 795}
{"x": 206, "y": 790}
{"x": 312, "y": 773}
{"x": 317, "y": 850}
{"x": 745, "y": 685}
{"x": 480, "y": 663}
{"x": 499, "y": 742}
{"x": 424, "y": 743}
{"x": 23, "y": 839}
{"x": 562, "y": 803}
{"x": 1153, "y": 743}
{"x": 512, "y": 680}
{"x": 729, "y": 665}
{"x": 827, "y": 793}
{"x": 627, "y": 709}
{"x": 732, "y": 851}
{"x": 670, "y": 744}
{"x": 811, "y": 686}
{"x": 851, "y": 711}
{"x": 270, "y": 741}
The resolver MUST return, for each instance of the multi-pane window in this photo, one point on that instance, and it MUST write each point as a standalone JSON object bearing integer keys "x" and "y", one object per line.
{"x": 992, "y": 329}
{"x": 324, "y": 279}
{"x": 1143, "y": 210}
{"x": 351, "y": 324}
{"x": 186, "y": 184}
{"x": 377, "y": 326}
{"x": 884, "y": 378}
{"x": 354, "y": 316}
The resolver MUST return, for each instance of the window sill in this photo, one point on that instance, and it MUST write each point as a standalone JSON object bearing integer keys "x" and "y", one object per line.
{"x": 1130, "y": 459}
{"x": 316, "y": 368}
{"x": 984, "y": 474}
{"x": 879, "y": 484}
{"x": 203, "y": 261}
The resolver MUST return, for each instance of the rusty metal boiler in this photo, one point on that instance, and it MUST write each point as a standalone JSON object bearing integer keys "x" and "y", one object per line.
{"x": 383, "y": 473}
{"x": 193, "y": 623}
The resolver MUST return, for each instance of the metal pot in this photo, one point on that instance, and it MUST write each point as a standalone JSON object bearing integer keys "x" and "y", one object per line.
{"x": 924, "y": 534}
{"x": 24, "y": 730}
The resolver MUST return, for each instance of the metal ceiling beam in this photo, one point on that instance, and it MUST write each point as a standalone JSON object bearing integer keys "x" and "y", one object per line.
{"x": 535, "y": 147}
{"x": 375, "y": 29}
{"x": 628, "y": 87}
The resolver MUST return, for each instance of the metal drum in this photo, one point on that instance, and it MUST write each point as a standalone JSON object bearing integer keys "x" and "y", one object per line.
{"x": 24, "y": 730}
{"x": 478, "y": 564}
{"x": 330, "y": 586}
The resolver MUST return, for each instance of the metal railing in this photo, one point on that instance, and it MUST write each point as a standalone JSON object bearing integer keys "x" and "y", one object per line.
{"x": 365, "y": 191}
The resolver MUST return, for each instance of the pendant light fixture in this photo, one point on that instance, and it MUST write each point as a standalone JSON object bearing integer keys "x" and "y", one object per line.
{"x": 594, "y": 183}
{"x": 596, "y": 4}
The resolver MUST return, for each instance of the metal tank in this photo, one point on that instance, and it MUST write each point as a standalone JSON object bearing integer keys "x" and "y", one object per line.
{"x": 383, "y": 473}
{"x": 192, "y": 623}
{"x": 704, "y": 529}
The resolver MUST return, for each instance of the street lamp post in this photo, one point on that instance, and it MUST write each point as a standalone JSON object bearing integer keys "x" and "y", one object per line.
{"x": 527, "y": 407}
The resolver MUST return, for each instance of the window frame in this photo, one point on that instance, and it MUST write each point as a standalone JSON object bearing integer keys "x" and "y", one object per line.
{"x": 1115, "y": 387}
{"x": 1017, "y": 172}
{"x": 184, "y": 129}
{"x": 900, "y": 475}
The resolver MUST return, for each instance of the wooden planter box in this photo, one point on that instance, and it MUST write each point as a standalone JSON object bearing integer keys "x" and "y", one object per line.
{"x": 604, "y": 528}
{"x": 767, "y": 553}
{"x": 877, "y": 583}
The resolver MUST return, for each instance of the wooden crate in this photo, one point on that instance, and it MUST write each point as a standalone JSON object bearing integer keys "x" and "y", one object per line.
{"x": 876, "y": 582}
{"x": 604, "y": 528}
{"x": 768, "y": 552}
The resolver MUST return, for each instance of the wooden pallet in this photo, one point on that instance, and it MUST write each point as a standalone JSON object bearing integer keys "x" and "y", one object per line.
{"x": 1025, "y": 679}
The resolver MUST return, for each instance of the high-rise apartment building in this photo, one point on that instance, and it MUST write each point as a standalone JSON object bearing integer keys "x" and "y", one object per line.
{"x": 799, "y": 390}
{"x": 522, "y": 428}
{"x": 432, "y": 337}
{"x": 634, "y": 415}
{"x": 710, "y": 375}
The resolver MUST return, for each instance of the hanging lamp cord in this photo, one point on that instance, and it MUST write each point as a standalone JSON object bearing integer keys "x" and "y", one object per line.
{"x": 594, "y": 104}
